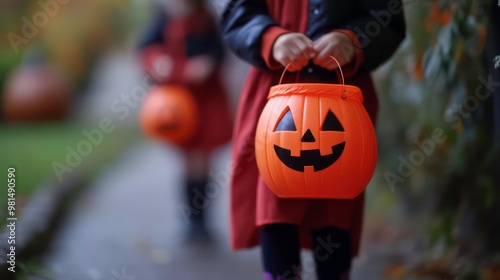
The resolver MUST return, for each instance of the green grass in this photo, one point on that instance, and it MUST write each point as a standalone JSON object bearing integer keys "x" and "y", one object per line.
{"x": 32, "y": 150}
{"x": 8, "y": 61}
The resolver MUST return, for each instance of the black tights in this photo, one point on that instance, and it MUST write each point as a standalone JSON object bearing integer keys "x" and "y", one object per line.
{"x": 281, "y": 252}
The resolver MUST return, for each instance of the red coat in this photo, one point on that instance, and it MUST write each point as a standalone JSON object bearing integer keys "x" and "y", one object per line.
{"x": 182, "y": 39}
{"x": 252, "y": 203}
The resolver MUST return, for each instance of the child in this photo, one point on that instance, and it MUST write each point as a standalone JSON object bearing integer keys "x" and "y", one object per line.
{"x": 270, "y": 35}
{"x": 182, "y": 47}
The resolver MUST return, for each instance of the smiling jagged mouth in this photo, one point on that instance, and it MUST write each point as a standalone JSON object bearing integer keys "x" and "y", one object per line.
{"x": 169, "y": 127}
{"x": 309, "y": 158}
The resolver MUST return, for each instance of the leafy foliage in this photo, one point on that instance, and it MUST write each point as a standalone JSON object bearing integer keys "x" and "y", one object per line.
{"x": 438, "y": 80}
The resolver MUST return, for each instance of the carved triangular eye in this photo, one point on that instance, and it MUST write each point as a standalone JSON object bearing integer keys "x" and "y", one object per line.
{"x": 286, "y": 123}
{"x": 332, "y": 123}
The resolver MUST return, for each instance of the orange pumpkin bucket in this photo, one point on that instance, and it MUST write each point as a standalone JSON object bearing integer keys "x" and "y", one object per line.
{"x": 169, "y": 114}
{"x": 315, "y": 140}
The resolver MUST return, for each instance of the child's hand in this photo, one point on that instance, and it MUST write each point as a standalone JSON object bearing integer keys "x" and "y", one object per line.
{"x": 198, "y": 69}
{"x": 294, "y": 49}
{"x": 336, "y": 44}
{"x": 162, "y": 68}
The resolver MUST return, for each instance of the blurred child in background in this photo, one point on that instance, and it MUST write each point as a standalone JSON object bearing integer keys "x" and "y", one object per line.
{"x": 183, "y": 47}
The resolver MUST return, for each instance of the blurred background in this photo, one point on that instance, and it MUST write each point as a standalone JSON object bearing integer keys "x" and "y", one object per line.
{"x": 97, "y": 199}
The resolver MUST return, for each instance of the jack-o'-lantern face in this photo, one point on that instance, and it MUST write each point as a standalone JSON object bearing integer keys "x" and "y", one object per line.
{"x": 169, "y": 114}
{"x": 169, "y": 118}
{"x": 311, "y": 142}
{"x": 309, "y": 157}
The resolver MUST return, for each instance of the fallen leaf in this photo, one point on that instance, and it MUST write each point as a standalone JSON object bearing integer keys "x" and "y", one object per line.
{"x": 395, "y": 272}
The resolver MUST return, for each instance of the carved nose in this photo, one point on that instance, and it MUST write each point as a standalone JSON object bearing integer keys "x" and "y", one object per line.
{"x": 308, "y": 137}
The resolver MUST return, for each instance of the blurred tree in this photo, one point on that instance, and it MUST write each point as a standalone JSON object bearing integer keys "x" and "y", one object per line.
{"x": 9, "y": 20}
{"x": 441, "y": 80}
{"x": 70, "y": 34}
{"x": 84, "y": 30}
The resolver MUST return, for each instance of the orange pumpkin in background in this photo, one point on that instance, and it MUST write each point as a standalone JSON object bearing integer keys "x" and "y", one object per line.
{"x": 34, "y": 93}
{"x": 169, "y": 113}
{"x": 315, "y": 141}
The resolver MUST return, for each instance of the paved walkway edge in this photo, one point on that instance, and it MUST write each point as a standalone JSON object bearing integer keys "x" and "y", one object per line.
{"x": 40, "y": 221}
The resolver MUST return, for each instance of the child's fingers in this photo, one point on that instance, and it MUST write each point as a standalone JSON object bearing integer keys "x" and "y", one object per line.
{"x": 340, "y": 56}
{"x": 322, "y": 49}
{"x": 303, "y": 62}
{"x": 324, "y": 60}
{"x": 295, "y": 66}
{"x": 293, "y": 63}
{"x": 293, "y": 48}
{"x": 307, "y": 47}
{"x": 312, "y": 53}
{"x": 298, "y": 53}
{"x": 329, "y": 44}
{"x": 296, "y": 56}
{"x": 283, "y": 58}
{"x": 323, "y": 56}
{"x": 330, "y": 64}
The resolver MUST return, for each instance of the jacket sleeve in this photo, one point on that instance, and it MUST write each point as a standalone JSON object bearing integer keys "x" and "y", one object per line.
{"x": 154, "y": 32}
{"x": 151, "y": 44}
{"x": 209, "y": 44}
{"x": 380, "y": 27}
{"x": 244, "y": 24}
{"x": 152, "y": 47}
{"x": 216, "y": 47}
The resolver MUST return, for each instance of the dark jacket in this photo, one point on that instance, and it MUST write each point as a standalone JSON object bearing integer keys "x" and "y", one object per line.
{"x": 379, "y": 25}
{"x": 204, "y": 43}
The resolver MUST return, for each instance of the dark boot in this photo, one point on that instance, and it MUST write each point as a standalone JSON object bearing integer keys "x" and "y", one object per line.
{"x": 198, "y": 202}
{"x": 332, "y": 253}
{"x": 280, "y": 251}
